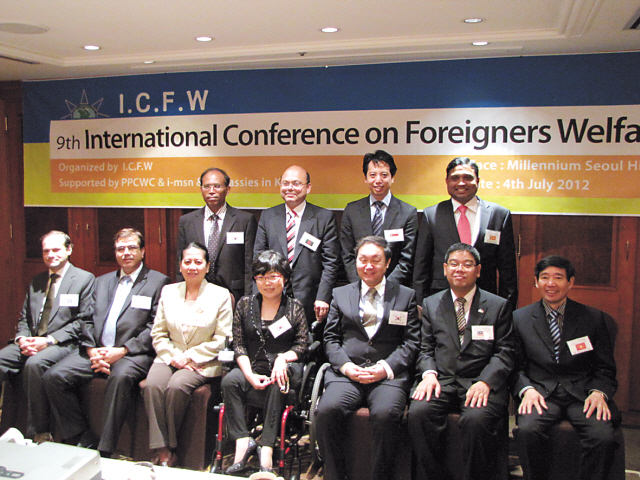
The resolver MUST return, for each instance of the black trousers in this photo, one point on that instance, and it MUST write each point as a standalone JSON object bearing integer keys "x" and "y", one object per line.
{"x": 340, "y": 400}
{"x": 479, "y": 426}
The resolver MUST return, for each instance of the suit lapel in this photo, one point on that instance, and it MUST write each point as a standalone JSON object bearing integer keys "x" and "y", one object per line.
{"x": 137, "y": 286}
{"x": 392, "y": 212}
{"x": 390, "y": 293}
{"x": 541, "y": 326}
{"x": 198, "y": 226}
{"x": 306, "y": 224}
{"x": 446, "y": 221}
{"x": 476, "y": 316}
{"x": 65, "y": 286}
{"x": 485, "y": 216}
{"x": 569, "y": 324}
{"x": 229, "y": 221}
{"x": 365, "y": 217}
{"x": 354, "y": 306}
{"x": 447, "y": 312}
{"x": 280, "y": 225}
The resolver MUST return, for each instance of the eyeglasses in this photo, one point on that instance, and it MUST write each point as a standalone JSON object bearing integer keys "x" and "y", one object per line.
{"x": 213, "y": 186}
{"x": 466, "y": 265}
{"x": 295, "y": 184}
{"x": 272, "y": 277}
{"x": 124, "y": 248}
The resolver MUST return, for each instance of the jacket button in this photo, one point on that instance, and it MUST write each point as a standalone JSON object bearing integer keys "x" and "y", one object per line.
{"x": 369, "y": 343}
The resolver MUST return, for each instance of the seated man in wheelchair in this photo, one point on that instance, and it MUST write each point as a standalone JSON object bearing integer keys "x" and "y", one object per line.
{"x": 270, "y": 336}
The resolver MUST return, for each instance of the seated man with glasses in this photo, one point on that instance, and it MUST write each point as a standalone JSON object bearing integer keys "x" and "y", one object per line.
{"x": 115, "y": 343}
{"x": 467, "y": 352}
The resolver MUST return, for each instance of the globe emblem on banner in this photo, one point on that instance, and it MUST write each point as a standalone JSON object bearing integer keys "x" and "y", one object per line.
{"x": 84, "y": 111}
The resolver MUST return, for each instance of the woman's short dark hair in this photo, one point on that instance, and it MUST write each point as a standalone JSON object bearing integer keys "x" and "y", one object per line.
{"x": 270, "y": 261}
{"x": 199, "y": 246}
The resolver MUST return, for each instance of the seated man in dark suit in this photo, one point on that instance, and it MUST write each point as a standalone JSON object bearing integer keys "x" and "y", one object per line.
{"x": 467, "y": 353}
{"x": 380, "y": 214}
{"x": 115, "y": 344}
{"x": 227, "y": 232}
{"x": 468, "y": 219}
{"x": 566, "y": 370}
{"x": 371, "y": 339}
{"x": 49, "y": 326}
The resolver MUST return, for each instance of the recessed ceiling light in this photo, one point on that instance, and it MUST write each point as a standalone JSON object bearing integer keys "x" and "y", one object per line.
{"x": 330, "y": 29}
{"x": 204, "y": 39}
{"x": 480, "y": 44}
{"x": 91, "y": 47}
{"x": 149, "y": 61}
{"x": 23, "y": 28}
{"x": 473, "y": 20}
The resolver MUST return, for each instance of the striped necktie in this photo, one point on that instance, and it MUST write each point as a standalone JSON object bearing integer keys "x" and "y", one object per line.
{"x": 376, "y": 223}
{"x": 460, "y": 317}
{"x": 554, "y": 326}
{"x": 291, "y": 234}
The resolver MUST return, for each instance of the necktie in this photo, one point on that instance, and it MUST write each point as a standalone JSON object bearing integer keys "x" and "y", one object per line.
{"x": 460, "y": 317}
{"x": 376, "y": 223}
{"x": 109, "y": 331}
{"x": 43, "y": 326}
{"x": 370, "y": 313}
{"x": 291, "y": 235}
{"x": 212, "y": 244}
{"x": 464, "y": 228}
{"x": 554, "y": 326}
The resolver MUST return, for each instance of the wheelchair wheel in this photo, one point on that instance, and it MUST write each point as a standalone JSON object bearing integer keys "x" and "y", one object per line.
{"x": 316, "y": 393}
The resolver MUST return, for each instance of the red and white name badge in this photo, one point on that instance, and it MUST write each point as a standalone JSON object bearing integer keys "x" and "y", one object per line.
{"x": 580, "y": 345}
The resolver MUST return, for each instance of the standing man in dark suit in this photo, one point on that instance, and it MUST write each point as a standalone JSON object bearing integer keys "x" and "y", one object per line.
{"x": 467, "y": 353}
{"x": 371, "y": 339}
{"x": 566, "y": 371}
{"x": 468, "y": 219}
{"x": 50, "y": 322}
{"x": 307, "y": 236}
{"x": 383, "y": 215}
{"x": 228, "y": 234}
{"x": 115, "y": 344}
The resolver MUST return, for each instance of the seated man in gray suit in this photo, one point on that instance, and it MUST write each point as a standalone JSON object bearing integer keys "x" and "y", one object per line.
{"x": 467, "y": 353}
{"x": 115, "y": 344}
{"x": 371, "y": 339}
{"x": 50, "y": 322}
{"x": 468, "y": 219}
{"x": 380, "y": 214}
{"x": 566, "y": 370}
{"x": 227, "y": 232}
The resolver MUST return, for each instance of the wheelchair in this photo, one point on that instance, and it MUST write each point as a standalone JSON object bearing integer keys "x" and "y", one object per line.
{"x": 295, "y": 421}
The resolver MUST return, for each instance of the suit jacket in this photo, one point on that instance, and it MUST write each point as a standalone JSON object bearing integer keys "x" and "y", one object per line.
{"x": 65, "y": 323}
{"x": 490, "y": 361}
{"x": 438, "y": 232}
{"x": 232, "y": 263}
{"x": 356, "y": 223}
{"x": 314, "y": 272}
{"x": 347, "y": 341}
{"x": 205, "y": 337}
{"x": 133, "y": 329}
{"x": 578, "y": 374}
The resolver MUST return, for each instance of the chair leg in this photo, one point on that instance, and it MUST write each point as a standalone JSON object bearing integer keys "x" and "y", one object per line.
{"x": 216, "y": 461}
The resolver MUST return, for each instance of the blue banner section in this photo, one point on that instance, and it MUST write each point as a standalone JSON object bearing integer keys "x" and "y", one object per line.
{"x": 603, "y": 79}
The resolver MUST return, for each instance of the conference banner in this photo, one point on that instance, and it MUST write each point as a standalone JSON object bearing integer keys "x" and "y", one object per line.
{"x": 150, "y": 153}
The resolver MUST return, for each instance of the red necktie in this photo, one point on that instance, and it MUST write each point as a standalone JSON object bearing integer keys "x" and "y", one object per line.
{"x": 464, "y": 228}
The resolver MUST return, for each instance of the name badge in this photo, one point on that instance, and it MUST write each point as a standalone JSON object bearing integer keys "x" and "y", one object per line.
{"x": 226, "y": 355}
{"x": 141, "y": 302}
{"x": 492, "y": 236}
{"x": 481, "y": 332}
{"x": 395, "y": 235}
{"x": 580, "y": 345}
{"x": 279, "y": 327}
{"x": 235, "y": 238}
{"x": 398, "y": 318}
{"x": 309, "y": 241}
{"x": 69, "y": 299}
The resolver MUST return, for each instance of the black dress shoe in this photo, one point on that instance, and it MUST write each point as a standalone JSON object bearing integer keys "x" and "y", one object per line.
{"x": 88, "y": 440}
{"x": 267, "y": 469}
{"x": 241, "y": 466}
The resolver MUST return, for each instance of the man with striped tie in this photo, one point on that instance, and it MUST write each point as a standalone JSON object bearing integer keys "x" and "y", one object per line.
{"x": 307, "y": 235}
{"x": 566, "y": 371}
{"x": 467, "y": 353}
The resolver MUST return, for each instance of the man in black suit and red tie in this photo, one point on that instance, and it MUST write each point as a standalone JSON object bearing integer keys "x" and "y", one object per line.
{"x": 227, "y": 232}
{"x": 383, "y": 215}
{"x": 466, "y": 355}
{"x": 50, "y": 323}
{"x": 371, "y": 339}
{"x": 566, "y": 370}
{"x": 468, "y": 219}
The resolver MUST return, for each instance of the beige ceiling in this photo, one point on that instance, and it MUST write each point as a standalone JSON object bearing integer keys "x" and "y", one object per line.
{"x": 286, "y": 33}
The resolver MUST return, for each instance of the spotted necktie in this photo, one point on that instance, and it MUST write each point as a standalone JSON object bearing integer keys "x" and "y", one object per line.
{"x": 212, "y": 244}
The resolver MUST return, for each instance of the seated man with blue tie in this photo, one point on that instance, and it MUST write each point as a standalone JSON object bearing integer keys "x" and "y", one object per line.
{"x": 371, "y": 339}
{"x": 466, "y": 355}
{"x": 566, "y": 370}
{"x": 49, "y": 326}
{"x": 115, "y": 344}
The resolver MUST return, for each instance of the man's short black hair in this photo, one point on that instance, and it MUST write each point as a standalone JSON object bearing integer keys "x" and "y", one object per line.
{"x": 377, "y": 157}
{"x": 554, "y": 261}
{"x": 463, "y": 247}
{"x": 227, "y": 180}
{"x": 375, "y": 240}
{"x": 463, "y": 161}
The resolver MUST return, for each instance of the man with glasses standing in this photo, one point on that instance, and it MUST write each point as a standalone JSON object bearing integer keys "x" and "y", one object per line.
{"x": 307, "y": 236}
{"x": 467, "y": 353}
{"x": 227, "y": 232}
{"x": 115, "y": 344}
